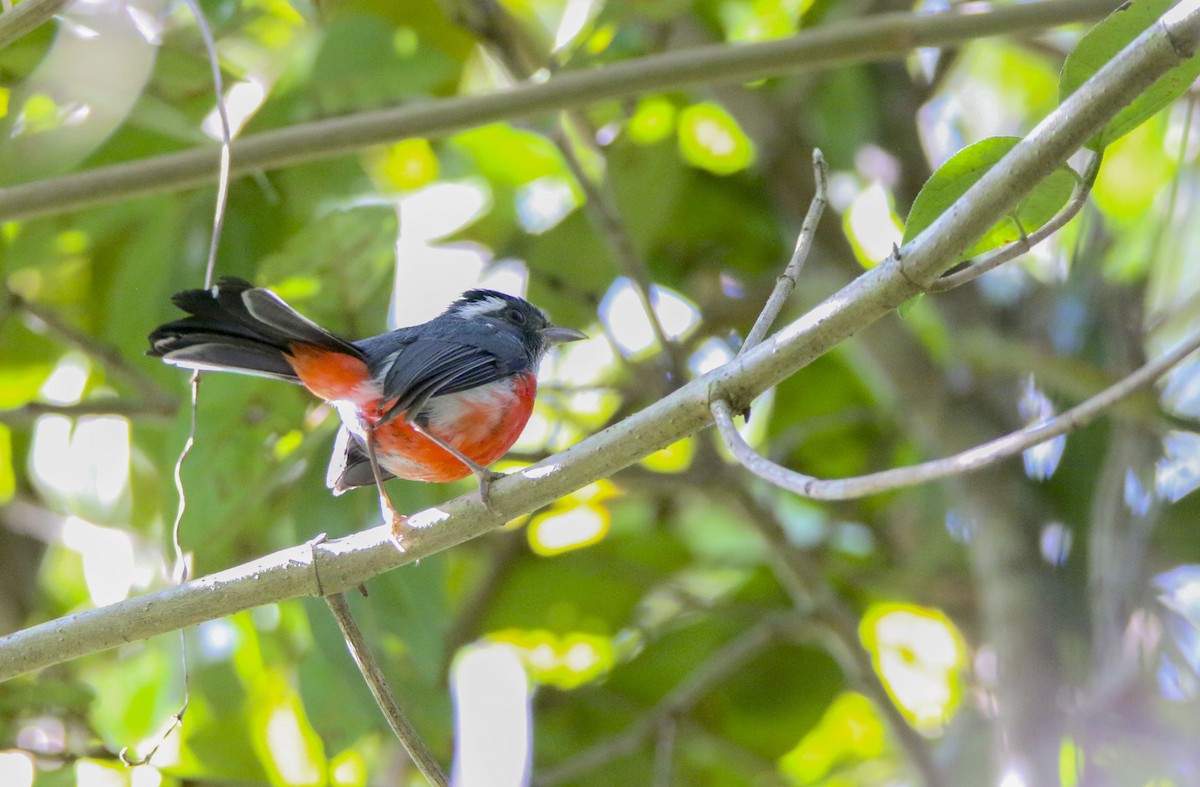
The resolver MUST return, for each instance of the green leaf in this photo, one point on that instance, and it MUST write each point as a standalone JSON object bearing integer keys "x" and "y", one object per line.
{"x": 8, "y": 481}
{"x": 953, "y": 178}
{"x": 511, "y": 155}
{"x": 710, "y": 138}
{"x": 25, "y": 363}
{"x": 1102, "y": 43}
{"x": 653, "y": 121}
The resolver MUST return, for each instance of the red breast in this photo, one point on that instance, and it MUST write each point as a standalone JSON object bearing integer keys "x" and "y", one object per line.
{"x": 482, "y": 422}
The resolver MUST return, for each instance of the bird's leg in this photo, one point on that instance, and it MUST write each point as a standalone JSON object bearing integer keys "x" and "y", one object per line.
{"x": 398, "y": 521}
{"x": 484, "y": 476}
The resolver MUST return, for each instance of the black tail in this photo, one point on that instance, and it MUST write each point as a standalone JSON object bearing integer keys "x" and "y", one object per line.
{"x": 237, "y": 327}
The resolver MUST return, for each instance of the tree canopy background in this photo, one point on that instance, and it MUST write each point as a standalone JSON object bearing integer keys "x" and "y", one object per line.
{"x": 682, "y": 622}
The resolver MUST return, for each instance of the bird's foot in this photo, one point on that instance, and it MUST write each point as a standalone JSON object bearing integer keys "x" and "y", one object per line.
{"x": 485, "y": 478}
{"x": 400, "y": 531}
{"x": 397, "y": 521}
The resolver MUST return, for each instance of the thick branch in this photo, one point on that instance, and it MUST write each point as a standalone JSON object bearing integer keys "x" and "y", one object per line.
{"x": 1011, "y": 251}
{"x": 349, "y": 561}
{"x": 25, "y": 17}
{"x": 875, "y": 38}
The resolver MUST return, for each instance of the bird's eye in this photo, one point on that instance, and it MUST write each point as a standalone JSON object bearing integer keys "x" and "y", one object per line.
{"x": 516, "y": 316}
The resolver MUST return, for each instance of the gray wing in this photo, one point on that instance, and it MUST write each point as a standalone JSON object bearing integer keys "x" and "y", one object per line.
{"x": 414, "y": 367}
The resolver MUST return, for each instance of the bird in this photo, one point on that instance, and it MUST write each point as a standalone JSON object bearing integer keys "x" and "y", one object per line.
{"x": 432, "y": 402}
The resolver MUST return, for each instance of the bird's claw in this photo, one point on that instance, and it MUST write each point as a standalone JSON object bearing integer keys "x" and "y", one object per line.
{"x": 486, "y": 477}
{"x": 397, "y": 521}
{"x": 400, "y": 529}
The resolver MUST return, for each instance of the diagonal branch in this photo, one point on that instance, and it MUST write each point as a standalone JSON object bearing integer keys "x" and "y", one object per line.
{"x": 492, "y": 24}
{"x": 156, "y": 399}
{"x": 878, "y": 37}
{"x": 350, "y": 561}
{"x": 426, "y": 763}
{"x": 25, "y": 17}
{"x": 969, "y": 461}
{"x": 804, "y": 241}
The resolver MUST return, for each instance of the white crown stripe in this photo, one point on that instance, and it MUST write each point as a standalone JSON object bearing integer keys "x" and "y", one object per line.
{"x": 487, "y": 305}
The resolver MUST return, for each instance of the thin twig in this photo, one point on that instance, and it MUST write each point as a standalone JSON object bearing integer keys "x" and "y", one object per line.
{"x": 804, "y": 241}
{"x": 968, "y": 461}
{"x": 127, "y": 757}
{"x": 156, "y": 397}
{"x": 495, "y": 26}
{"x": 876, "y": 38}
{"x": 994, "y": 259}
{"x": 210, "y": 48}
{"x": 732, "y": 657}
{"x": 1070, "y": 379}
{"x": 373, "y": 675}
{"x": 664, "y": 752}
{"x": 132, "y": 410}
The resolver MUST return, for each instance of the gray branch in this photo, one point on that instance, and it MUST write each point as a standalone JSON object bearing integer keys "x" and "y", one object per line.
{"x": 350, "y": 561}
{"x": 878, "y": 37}
{"x": 969, "y": 461}
{"x": 372, "y": 673}
{"x": 804, "y": 241}
{"x": 26, "y": 17}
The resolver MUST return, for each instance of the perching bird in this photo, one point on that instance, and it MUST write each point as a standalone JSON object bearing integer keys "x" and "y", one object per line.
{"x": 432, "y": 402}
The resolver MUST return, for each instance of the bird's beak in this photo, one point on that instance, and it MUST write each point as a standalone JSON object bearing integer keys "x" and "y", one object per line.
{"x": 554, "y": 334}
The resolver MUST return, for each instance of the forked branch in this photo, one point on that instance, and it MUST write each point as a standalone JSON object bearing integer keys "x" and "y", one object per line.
{"x": 969, "y": 461}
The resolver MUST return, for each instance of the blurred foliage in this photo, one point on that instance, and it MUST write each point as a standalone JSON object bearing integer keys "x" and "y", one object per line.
{"x": 680, "y": 621}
